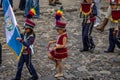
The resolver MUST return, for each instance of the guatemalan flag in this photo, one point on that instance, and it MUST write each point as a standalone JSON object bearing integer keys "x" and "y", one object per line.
{"x": 11, "y": 29}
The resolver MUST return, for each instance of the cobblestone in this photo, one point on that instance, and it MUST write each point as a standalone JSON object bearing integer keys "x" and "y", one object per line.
{"x": 98, "y": 65}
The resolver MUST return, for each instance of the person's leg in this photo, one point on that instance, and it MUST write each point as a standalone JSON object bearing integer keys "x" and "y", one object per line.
{"x": 37, "y": 8}
{"x": 58, "y": 2}
{"x": 0, "y": 54}
{"x": 19, "y": 68}
{"x": 28, "y": 5}
{"x": 53, "y": 1}
{"x": 60, "y": 69}
{"x": 85, "y": 29}
{"x": 111, "y": 42}
{"x": 50, "y": 1}
{"x": 11, "y": 2}
{"x": 22, "y": 4}
{"x": 98, "y": 6}
{"x": 50, "y": 57}
{"x": 91, "y": 42}
{"x": 117, "y": 43}
{"x": 54, "y": 60}
{"x": 1, "y": 3}
{"x": 30, "y": 67}
{"x": 117, "y": 40}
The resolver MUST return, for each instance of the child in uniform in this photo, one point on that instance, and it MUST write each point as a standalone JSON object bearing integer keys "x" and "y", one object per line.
{"x": 27, "y": 40}
{"x": 88, "y": 12}
{"x": 60, "y": 50}
{"x": 113, "y": 17}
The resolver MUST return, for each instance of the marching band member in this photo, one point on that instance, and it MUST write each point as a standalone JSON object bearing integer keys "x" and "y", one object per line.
{"x": 113, "y": 17}
{"x": 59, "y": 52}
{"x": 88, "y": 12}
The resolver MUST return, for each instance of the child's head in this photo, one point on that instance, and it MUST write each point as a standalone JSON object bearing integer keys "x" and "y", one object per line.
{"x": 29, "y": 26}
{"x": 114, "y": 4}
{"x": 60, "y": 27}
{"x": 28, "y": 30}
{"x": 61, "y": 30}
{"x": 89, "y": 1}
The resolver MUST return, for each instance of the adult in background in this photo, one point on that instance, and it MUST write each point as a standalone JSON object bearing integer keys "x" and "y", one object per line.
{"x": 37, "y": 8}
{"x": 113, "y": 26}
{"x": 11, "y": 2}
{"x": 98, "y": 6}
{"x": 1, "y": 3}
{"x": 29, "y": 5}
{"x": 0, "y": 54}
{"x": 54, "y": 2}
{"x": 22, "y": 4}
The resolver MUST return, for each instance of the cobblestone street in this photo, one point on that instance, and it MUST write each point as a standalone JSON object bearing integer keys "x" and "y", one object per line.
{"x": 97, "y": 64}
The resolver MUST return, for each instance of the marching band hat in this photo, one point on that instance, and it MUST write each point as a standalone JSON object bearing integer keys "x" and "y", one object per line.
{"x": 29, "y": 24}
{"x": 60, "y": 25}
{"x": 113, "y": 2}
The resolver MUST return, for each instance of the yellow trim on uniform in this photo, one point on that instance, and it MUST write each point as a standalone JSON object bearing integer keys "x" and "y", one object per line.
{"x": 115, "y": 21}
{"x": 17, "y": 57}
{"x": 85, "y": 13}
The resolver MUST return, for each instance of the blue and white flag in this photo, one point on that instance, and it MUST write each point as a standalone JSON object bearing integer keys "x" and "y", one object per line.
{"x": 11, "y": 29}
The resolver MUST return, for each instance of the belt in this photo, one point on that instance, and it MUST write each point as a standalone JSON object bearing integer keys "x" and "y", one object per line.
{"x": 24, "y": 51}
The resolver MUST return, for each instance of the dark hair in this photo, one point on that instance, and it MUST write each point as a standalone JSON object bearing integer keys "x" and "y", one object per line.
{"x": 31, "y": 32}
{"x": 65, "y": 30}
{"x": 86, "y": 1}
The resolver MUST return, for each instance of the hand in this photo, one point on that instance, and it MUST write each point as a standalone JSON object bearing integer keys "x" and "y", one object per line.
{"x": 99, "y": 28}
{"x": 51, "y": 42}
{"x": 115, "y": 33}
{"x": 54, "y": 48}
{"x": 18, "y": 38}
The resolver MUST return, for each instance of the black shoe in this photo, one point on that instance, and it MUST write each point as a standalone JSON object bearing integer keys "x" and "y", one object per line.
{"x": 92, "y": 47}
{"x": 91, "y": 78}
{"x": 83, "y": 50}
{"x": 15, "y": 79}
{"x": 85, "y": 79}
{"x": 52, "y": 4}
{"x": 32, "y": 78}
{"x": 109, "y": 51}
{"x": 0, "y": 6}
{"x": 58, "y": 3}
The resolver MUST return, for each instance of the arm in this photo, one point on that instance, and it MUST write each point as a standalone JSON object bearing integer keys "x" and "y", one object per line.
{"x": 94, "y": 12}
{"x": 102, "y": 26}
{"x": 29, "y": 41}
{"x": 52, "y": 42}
{"x": 105, "y": 21}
